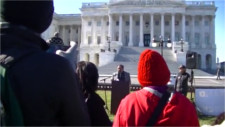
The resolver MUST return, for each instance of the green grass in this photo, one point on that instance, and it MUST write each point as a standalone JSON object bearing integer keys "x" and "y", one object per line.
{"x": 208, "y": 120}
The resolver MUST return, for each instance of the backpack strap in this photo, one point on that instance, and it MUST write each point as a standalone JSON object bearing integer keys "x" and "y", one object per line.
{"x": 158, "y": 110}
{"x": 11, "y": 113}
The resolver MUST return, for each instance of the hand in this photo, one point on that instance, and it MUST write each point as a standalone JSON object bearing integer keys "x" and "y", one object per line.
{"x": 69, "y": 54}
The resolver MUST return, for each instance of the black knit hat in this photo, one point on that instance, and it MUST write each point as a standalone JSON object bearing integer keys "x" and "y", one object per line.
{"x": 36, "y": 15}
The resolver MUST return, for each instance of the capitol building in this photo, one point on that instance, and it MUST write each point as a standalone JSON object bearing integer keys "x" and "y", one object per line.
{"x": 104, "y": 31}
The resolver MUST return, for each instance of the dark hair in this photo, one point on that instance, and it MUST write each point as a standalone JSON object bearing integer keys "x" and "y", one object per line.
{"x": 121, "y": 65}
{"x": 88, "y": 76}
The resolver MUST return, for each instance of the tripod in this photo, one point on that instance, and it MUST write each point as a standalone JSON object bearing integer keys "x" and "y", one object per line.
{"x": 192, "y": 88}
{"x": 106, "y": 104}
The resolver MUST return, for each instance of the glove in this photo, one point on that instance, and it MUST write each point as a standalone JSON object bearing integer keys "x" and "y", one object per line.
{"x": 69, "y": 54}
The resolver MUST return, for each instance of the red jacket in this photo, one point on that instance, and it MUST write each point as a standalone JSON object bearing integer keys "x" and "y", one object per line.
{"x": 136, "y": 108}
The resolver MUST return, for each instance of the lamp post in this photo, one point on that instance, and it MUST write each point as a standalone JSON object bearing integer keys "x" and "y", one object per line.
{"x": 108, "y": 38}
{"x": 161, "y": 41}
{"x": 182, "y": 43}
{"x": 161, "y": 44}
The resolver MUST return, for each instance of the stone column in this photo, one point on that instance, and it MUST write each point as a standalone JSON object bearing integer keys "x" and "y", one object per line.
{"x": 103, "y": 30}
{"x": 212, "y": 33}
{"x": 162, "y": 25}
{"x": 203, "y": 32}
{"x": 64, "y": 35}
{"x": 141, "y": 31}
{"x": 131, "y": 31}
{"x": 72, "y": 33}
{"x": 93, "y": 32}
{"x": 121, "y": 29}
{"x": 183, "y": 27}
{"x": 83, "y": 35}
{"x": 203, "y": 64}
{"x": 152, "y": 27}
{"x": 173, "y": 28}
{"x": 193, "y": 31}
{"x": 79, "y": 34}
{"x": 110, "y": 31}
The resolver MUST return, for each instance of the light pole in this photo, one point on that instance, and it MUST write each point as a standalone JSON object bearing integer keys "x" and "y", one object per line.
{"x": 161, "y": 41}
{"x": 108, "y": 38}
{"x": 181, "y": 43}
{"x": 161, "y": 44}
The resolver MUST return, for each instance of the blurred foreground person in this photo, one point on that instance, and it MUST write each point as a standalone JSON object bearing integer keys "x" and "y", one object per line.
{"x": 37, "y": 88}
{"x": 140, "y": 108}
{"x": 88, "y": 76}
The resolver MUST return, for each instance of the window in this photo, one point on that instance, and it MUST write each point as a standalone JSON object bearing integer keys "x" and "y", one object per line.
{"x": 89, "y": 39}
{"x": 186, "y": 23}
{"x": 196, "y": 23}
{"x": 167, "y": 35}
{"x": 207, "y": 38}
{"x": 99, "y": 23}
{"x": 76, "y": 31}
{"x": 177, "y": 36}
{"x": 117, "y": 23}
{"x": 176, "y": 23}
{"x": 117, "y": 37}
{"x": 187, "y": 37}
{"x": 167, "y": 23}
{"x": 99, "y": 39}
{"x": 137, "y": 23}
{"x": 107, "y": 23}
{"x": 127, "y": 23}
{"x": 89, "y": 23}
{"x": 206, "y": 23}
{"x": 157, "y": 22}
{"x": 197, "y": 38}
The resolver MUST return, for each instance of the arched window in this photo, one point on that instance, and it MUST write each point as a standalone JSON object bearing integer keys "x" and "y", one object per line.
{"x": 208, "y": 61}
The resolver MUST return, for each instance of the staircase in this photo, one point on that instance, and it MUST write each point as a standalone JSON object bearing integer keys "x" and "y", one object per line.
{"x": 129, "y": 57}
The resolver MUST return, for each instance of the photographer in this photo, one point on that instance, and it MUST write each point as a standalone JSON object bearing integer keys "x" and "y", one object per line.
{"x": 181, "y": 84}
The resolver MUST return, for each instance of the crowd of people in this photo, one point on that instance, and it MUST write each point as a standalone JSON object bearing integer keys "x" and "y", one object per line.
{"x": 40, "y": 88}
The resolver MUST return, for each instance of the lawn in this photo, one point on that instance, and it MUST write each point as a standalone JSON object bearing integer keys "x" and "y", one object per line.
{"x": 202, "y": 119}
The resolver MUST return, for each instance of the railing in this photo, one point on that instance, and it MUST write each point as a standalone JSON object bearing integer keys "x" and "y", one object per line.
{"x": 148, "y": 2}
{"x": 94, "y": 5}
{"x": 161, "y": 2}
{"x": 200, "y": 3}
{"x": 105, "y": 83}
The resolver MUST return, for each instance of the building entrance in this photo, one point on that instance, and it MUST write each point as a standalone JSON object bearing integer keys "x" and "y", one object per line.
{"x": 147, "y": 40}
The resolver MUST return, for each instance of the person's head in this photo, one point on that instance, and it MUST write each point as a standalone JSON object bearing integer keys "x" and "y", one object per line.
{"x": 88, "y": 76}
{"x": 35, "y": 15}
{"x": 120, "y": 68}
{"x": 56, "y": 34}
{"x": 182, "y": 69}
{"x": 152, "y": 69}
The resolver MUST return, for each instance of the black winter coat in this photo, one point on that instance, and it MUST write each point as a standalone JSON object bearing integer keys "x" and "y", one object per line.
{"x": 97, "y": 111}
{"x": 44, "y": 83}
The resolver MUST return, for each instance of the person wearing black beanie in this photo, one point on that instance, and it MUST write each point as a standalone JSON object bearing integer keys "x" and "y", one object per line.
{"x": 37, "y": 88}
{"x": 36, "y": 15}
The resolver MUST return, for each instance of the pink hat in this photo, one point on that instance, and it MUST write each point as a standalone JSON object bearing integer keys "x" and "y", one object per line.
{"x": 152, "y": 69}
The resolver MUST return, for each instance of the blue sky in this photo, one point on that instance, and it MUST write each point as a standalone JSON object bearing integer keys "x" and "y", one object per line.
{"x": 73, "y": 7}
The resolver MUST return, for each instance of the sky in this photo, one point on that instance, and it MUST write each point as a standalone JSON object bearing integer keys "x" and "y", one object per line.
{"x": 73, "y": 7}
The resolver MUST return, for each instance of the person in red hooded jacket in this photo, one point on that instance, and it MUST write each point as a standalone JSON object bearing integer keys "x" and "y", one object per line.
{"x": 136, "y": 108}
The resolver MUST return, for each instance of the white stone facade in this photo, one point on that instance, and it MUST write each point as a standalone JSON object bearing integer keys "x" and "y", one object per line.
{"x": 136, "y": 23}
